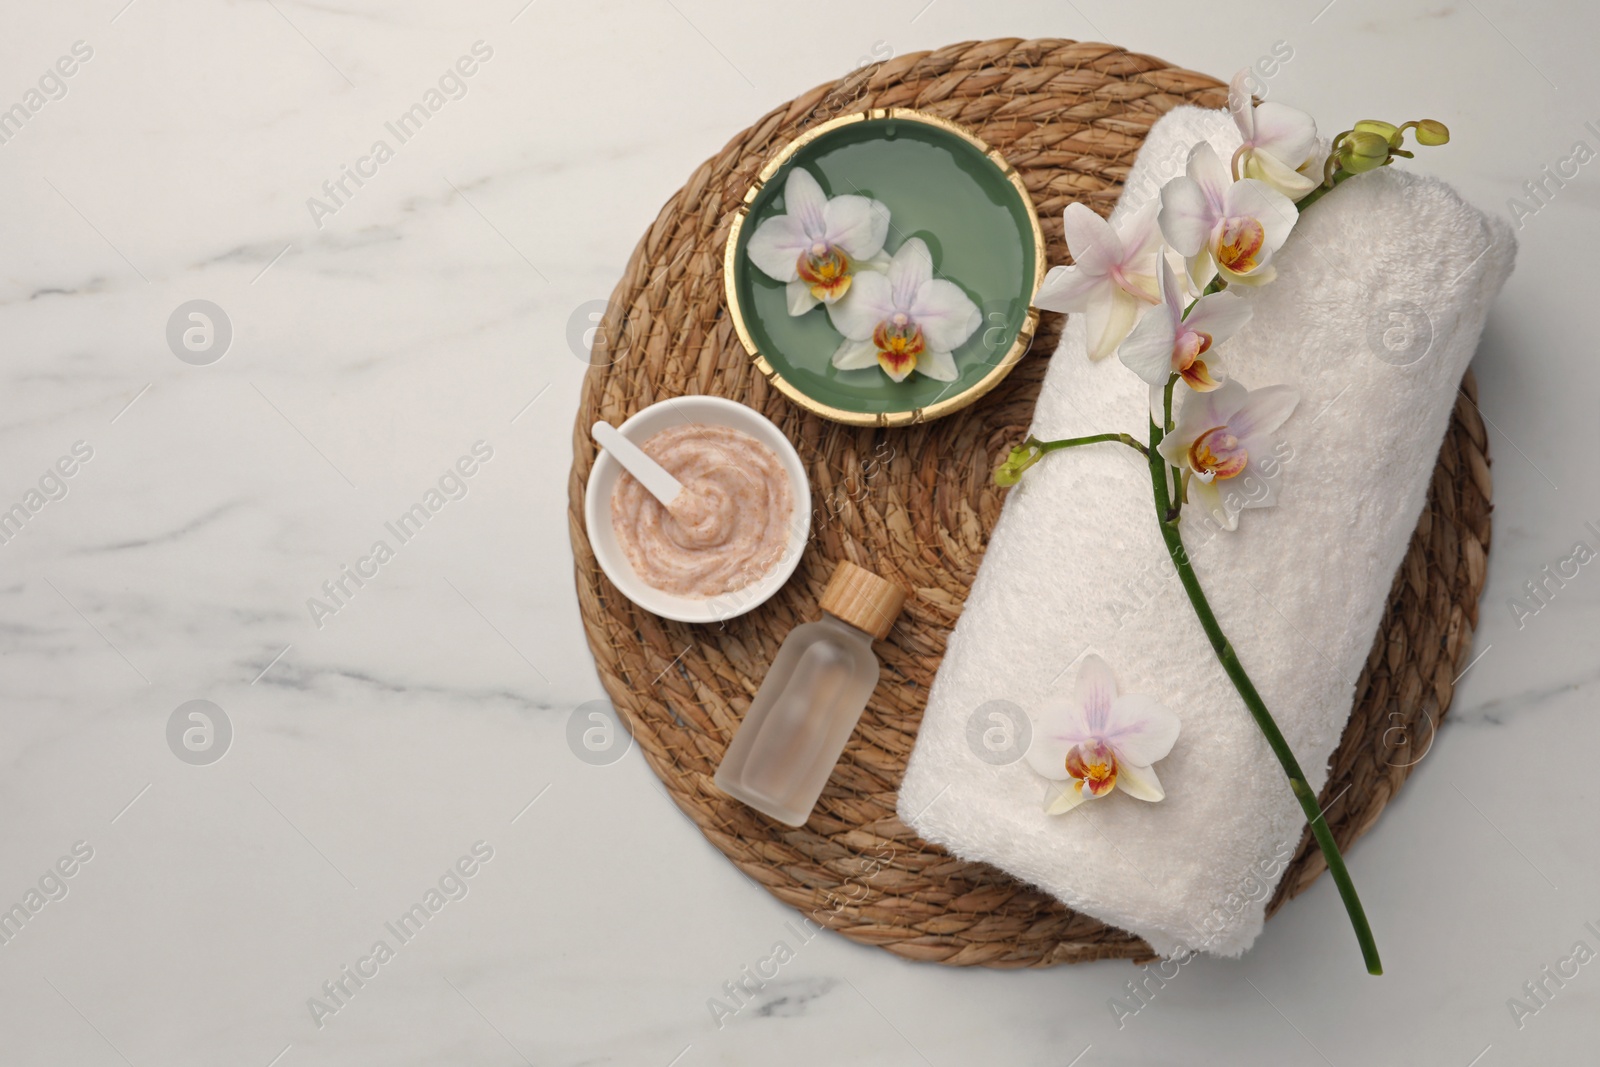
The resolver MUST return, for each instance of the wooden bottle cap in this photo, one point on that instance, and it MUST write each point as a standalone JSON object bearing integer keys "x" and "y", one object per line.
{"x": 860, "y": 598}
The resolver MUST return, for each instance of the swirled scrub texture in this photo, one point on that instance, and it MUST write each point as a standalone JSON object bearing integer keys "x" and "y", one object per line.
{"x": 727, "y": 529}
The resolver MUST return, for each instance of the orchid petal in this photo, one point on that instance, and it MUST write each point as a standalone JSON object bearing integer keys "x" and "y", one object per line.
{"x": 1262, "y": 411}
{"x": 798, "y": 294}
{"x": 1199, "y": 412}
{"x": 1171, "y": 293}
{"x": 1241, "y": 107}
{"x": 776, "y": 246}
{"x": 1109, "y": 322}
{"x": 1251, "y": 489}
{"x": 1095, "y": 692}
{"x": 1071, "y": 289}
{"x": 1186, "y": 216}
{"x": 1140, "y": 783}
{"x": 946, "y": 314}
{"x": 938, "y": 365}
{"x": 1059, "y": 800}
{"x": 1203, "y": 375}
{"x": 1140, "y": 235}
{"x": 1047, "y": 753}
{"x": 1220, "y": 315}
{"x": 1173, "y": 448}
{"x": 863, "y": 307}
{"x": 1277, "y": 174}
{"x": 855, "y": 355}
{"x": 1206, "y": 169}
{"x": 1158, "y": 402}
{"x": 1208, "y": 498}
{"x": 1201, "y": 269}
{"x": 1142, "y": 729}
{"x": 1260, "y": 201}
{"x": 1283, "y": 132}
{"x": 898, "y": 368}
{"x": 1094, "y": 244}
{"x": 1059, "y": 726}
{"x": 879, "y": 262}
{"x": 832, "y": 296}
{"x": 1148, "y": 348}
{"x": 1264, "y": 274}
{"x": 856, "y": 224}
{"x": 804, "y": 201}
{"x": 911, "y": 267}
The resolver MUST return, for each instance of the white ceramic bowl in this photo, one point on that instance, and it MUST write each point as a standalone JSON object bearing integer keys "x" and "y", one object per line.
{"x": 679, "y": 411}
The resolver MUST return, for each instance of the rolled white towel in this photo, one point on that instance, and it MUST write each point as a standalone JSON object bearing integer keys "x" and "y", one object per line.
{"x": 1380, "y": 298}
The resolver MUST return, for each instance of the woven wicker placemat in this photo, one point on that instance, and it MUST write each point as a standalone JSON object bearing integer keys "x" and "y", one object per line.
{"x": 917, "y": 504}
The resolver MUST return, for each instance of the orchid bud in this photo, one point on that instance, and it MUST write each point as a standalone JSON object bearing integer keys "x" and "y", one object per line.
{"x": 1021, "y": 458}
{"x": 1387, "y": 130}
{"x": 1431, "y": 132}
{"x": 1363, "y": 150}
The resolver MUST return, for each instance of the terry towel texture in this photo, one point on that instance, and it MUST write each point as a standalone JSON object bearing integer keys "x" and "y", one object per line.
{"x": 1381, "y": 295}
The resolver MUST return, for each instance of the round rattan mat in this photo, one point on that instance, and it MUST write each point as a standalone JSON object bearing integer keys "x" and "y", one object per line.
{"x": 917, "y": 504}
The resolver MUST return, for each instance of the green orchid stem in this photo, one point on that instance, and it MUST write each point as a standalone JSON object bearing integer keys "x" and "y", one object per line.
{"x": 1175, "y": 485}
{"x": 1167, "y": 518}
{"x": 1072, "y": 442}
{"x": 1323, "y": 190}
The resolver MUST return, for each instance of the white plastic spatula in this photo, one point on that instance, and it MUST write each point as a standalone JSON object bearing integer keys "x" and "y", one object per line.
{"x": 652, "y": 475}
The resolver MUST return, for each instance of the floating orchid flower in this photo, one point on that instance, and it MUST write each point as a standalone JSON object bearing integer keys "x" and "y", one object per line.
{"x": 1097, "y": 740}
{"x": 904, "y": 320}
{"x": 1222, "y": 437}
{"x": 818, "y": 247}
{"x": 1279, "y": 142}
{"x": 1166, "y": 342}
{"x": 1219, "y": 224}
{"x": 1112, "y": 278}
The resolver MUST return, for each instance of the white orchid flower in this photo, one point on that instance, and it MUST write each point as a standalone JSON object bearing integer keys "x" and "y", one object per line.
{"x": 1166, "y": 342}
{"x": 1279, "y": 142}
{"x": 1112, "y": 278}
{"x": 820, "y": 243}
{"x": 905, "y": 320}
{"x": 1219, "y": 440}
{"x": 1096, "y": 740}
{"x": 1220, "y": 224}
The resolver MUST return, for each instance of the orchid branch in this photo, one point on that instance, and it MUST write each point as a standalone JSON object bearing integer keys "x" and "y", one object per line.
{"x": 1227, "y": 220}
{"x": 1167, "y": 519}
{"x": 1033, "y": 450}
{"x": 1072, "y": 442}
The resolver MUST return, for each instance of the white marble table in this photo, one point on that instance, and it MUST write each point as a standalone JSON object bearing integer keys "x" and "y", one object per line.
{"x": 374, "y": 744}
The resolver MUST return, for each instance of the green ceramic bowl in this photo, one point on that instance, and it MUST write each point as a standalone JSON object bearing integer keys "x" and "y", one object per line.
{"x": 940, "y": 183}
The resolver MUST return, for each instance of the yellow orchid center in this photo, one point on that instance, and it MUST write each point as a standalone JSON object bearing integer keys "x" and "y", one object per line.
{"x": 1218, "y": 454}
{"x": 1191, "y": 345}
{"x": 899, "y": 342}
{"x": 1093, "y": 766}
{"x": 826, "y": 269}
{"x": 1186, "y": 361}
{"x": 1238, "y": 245}
{"x": 1199, "y": 377}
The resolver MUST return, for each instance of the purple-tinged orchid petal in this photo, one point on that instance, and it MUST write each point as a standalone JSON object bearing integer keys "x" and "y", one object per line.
{"x": 1278, "y": 141}
{"x": 905, "y": 319}
{"x": 1219, "y": 441}
{"x": 1232, "y": 227}
{"x": 819, "y": 246}
{"x": 1096, "y": 740}
{"x": 1113, "y": 276}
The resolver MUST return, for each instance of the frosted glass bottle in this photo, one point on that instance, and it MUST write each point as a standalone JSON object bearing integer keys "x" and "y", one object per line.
{"x": 808, "y": 705}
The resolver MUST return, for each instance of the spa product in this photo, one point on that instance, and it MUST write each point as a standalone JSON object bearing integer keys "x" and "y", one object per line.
{"x": 725, "y": 530}
{"x": 808, "y": 705}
